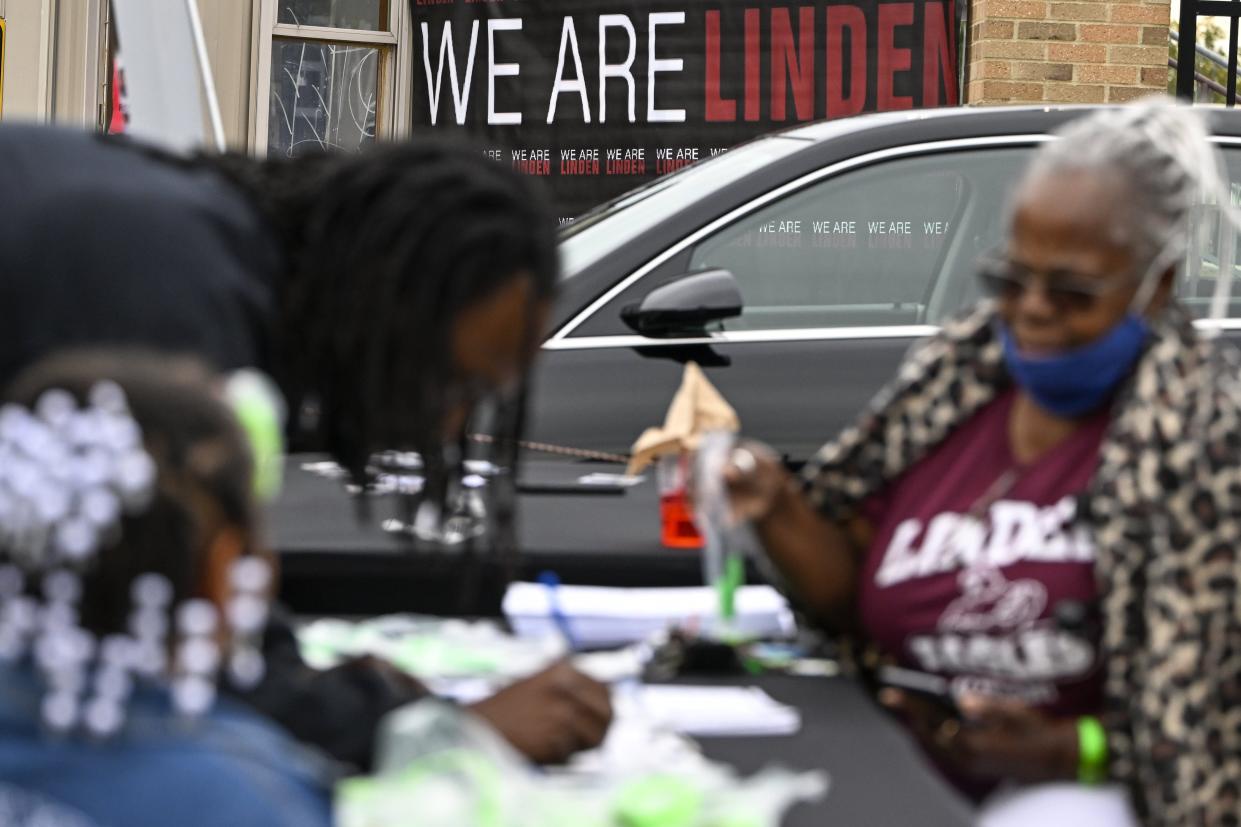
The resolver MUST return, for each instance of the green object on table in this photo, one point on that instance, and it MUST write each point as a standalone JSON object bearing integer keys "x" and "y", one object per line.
{"x": 735, "y": 820}
{"x": 1092, "y": 750}
{"x": 733, "y": 577}
{"x": 658, "y": 801}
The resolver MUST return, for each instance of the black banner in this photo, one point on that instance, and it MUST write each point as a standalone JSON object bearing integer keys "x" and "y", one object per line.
{"x": 599, "y": 96}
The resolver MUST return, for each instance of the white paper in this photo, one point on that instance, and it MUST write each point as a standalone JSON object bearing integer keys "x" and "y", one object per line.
{"x": 599, "y": 616}
{"x": 716, "y": 710}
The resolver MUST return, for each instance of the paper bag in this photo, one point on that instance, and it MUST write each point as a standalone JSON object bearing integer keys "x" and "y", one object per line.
{"x": 696, "y": 409}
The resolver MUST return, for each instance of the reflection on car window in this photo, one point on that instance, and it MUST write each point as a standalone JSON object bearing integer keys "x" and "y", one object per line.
{"x": 891, "y": 244}
{"x": 895, "y": 243}
{"x": 598, "y": 234}
{"x": 1200, "y": 277}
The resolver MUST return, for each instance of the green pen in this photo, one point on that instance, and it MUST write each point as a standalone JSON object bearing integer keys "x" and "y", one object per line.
{"x": 726, "y": 587}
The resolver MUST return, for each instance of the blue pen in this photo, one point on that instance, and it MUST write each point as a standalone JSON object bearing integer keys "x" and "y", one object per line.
{"x": 552, "y": 582}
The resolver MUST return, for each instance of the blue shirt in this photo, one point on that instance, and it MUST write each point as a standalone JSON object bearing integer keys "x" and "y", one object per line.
{"x": 229, "y": 768}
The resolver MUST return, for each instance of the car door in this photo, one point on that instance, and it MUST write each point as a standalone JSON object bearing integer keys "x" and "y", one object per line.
{"x": 840, "y": 273}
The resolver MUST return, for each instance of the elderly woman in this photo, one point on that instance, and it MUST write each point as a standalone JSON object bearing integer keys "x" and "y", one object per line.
{"x": 1071, "y": 448}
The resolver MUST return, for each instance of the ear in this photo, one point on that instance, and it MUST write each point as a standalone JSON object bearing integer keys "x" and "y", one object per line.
{"x": 224, "y": 548}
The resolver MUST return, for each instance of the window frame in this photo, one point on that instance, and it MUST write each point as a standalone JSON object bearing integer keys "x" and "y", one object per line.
{"x": 564, "y": 339}
{"x": 394, "y": 75}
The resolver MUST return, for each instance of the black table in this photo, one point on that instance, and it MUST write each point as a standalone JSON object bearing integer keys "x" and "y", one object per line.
{"x": 878, "y": 779}
{"x": 332, "y": 564}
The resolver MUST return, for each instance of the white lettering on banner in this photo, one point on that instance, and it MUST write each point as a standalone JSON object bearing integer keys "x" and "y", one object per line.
{"x": 568, "y": 39}
{"x": 1015, "y": 531}
{"x": 496, "y": 70}
{"x": 461, "y": 80}
{"x": 460, "y": 92}
{"x": 655, "y": 66}
{"x": 1037, "y": 653}
{"x": 637, "y": 154}
{"x": 617, "y": 70}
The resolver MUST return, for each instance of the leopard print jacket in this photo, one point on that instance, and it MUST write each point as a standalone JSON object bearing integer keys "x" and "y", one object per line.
{"x": 1164, "y": 508}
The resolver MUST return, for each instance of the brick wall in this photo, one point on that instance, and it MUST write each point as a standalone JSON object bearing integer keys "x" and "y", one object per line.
{"x": 1035, "y": 51}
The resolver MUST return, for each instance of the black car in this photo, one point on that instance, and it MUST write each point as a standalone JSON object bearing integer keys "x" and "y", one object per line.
{"x": 797, "y": 270}
{"x": 844, "y": 241}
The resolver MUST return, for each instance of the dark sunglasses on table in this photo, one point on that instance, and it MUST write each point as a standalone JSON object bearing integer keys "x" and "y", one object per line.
{"x": 1007, "y": 280}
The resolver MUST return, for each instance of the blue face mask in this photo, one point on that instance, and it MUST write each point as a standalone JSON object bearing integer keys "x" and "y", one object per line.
{"x": 1082, "y": 380}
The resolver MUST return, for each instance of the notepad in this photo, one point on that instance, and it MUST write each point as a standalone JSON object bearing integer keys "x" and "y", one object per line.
{"x": 600, "y": 617}
{"x": 715, "y": 711}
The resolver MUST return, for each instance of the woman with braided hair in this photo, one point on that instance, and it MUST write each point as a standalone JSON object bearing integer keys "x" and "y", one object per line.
{"x": 130, "y": 582}
{"x": 387, "y": 293}
{"x": 1043, "y": 509}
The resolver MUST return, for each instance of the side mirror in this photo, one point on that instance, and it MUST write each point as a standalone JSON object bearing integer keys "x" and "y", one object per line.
{"x": 686, "y": 305}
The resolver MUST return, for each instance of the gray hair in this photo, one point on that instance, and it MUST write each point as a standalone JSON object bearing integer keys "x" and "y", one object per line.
{"x": 1161, "y": 151}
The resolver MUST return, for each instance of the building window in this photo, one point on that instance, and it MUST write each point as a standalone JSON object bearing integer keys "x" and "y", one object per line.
{"x": 327, "y": 72}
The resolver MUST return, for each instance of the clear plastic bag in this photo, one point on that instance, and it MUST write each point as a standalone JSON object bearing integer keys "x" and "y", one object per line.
{"x": 439, "y": 766}
{"x": 723, "y": 557}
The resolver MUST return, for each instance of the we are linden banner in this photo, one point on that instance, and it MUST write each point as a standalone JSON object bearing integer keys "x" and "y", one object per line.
{"x": 599, "y": 96}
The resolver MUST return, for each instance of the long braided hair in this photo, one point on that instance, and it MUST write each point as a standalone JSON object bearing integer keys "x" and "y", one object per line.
{"x": 383, "y": 249}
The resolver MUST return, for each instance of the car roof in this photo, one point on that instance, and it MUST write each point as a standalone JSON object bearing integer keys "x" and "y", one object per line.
{"x": 972, "y": 119}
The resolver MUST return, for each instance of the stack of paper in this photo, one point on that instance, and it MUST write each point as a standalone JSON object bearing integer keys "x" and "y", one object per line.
{"x": 599, "y": 617}
{"x": 716, "y": 710}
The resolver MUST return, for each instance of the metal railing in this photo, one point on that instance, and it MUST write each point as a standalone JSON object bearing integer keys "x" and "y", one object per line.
{"x": 1187, "y": 74}
{"x": 1206, "y": 89}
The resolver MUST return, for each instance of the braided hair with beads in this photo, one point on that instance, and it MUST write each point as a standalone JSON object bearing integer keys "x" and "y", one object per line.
{"x": 119, "y": 468}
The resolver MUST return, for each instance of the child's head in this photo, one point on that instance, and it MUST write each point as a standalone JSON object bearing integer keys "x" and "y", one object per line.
{"x": 127, "y": 533}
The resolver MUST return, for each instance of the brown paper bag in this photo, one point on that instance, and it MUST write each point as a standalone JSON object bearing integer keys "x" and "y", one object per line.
{"x": 696, "y": 409}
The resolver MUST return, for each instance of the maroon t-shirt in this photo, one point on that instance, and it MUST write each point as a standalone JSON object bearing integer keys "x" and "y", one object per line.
{"x": 972, "y": 554}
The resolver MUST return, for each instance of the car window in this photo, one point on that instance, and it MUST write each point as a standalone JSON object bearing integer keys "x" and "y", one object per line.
{"x": 894, "y": 243}
{"x": 606, "y": 229}
{"x": 868, "y": 248}
{"x": 1200, "y": 275}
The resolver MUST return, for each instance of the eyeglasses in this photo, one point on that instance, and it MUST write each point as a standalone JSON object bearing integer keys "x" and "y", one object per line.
{"x": 1007, "y": 280}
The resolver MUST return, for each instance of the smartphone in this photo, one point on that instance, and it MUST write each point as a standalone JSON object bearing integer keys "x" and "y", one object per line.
{"x": 931, "y": 688}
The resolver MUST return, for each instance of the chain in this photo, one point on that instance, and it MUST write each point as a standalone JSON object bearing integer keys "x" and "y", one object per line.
{"x": 558, "y": 450}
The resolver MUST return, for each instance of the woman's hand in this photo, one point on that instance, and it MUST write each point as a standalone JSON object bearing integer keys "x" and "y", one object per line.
{"x": 552, "y": 715}
{"x": 756, "y": 480}
{"x": 993, "y": 738}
